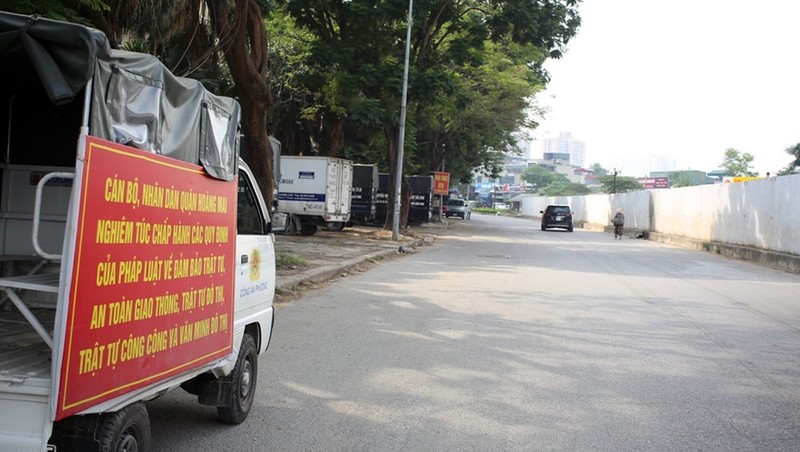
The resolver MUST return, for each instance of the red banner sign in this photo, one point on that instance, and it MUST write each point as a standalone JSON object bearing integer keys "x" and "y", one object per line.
{"x": 152, "y": 286}
{"x": 441, "y": 183}
{"x": 653, "y": 182}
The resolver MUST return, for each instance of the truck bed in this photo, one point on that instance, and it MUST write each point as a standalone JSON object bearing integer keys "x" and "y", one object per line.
{"x": 23, "y": 354}
{"x": 25, "y": 358}
{"x": 25, "y": 380}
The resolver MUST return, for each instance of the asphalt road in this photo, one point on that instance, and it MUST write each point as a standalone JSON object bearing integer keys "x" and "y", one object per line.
{"x": 505, "y": 337}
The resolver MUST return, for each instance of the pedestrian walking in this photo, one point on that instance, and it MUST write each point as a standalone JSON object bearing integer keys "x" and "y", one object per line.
{"x": 619, "y": 222}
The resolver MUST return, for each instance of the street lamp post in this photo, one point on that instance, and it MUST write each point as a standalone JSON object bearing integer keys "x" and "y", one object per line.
{"x": 401, "y": 135}
{"x": 614, "y": 184}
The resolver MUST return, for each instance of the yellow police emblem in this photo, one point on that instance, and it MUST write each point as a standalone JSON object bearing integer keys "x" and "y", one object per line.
{"x": 255, "y": 265}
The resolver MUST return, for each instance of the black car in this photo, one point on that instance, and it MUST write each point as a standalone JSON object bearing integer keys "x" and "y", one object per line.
{"x": 557, "y": 216}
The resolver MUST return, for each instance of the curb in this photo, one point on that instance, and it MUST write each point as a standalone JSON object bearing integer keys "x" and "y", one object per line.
{"x": 326, "y": 272}
{"x": 775, "y": 260}
{"x": 778, "y": 261}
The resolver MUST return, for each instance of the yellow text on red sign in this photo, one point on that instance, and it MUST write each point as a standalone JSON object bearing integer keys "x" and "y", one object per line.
{"x": 151, "y": 288}
{"x": 441, "y": 183}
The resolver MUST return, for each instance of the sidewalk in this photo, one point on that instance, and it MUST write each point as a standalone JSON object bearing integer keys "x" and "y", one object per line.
{"x": 328, "y": 254}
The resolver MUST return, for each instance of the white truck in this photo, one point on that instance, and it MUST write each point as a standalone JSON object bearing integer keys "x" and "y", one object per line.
{"x": 135, "y": 249}
{"x": 315, "y": 191}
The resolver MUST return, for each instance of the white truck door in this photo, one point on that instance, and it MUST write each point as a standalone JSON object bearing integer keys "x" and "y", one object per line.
{"x": 331, "y": 187}
{"x": 255, "y": 261}
{"x": 346, "y": 187}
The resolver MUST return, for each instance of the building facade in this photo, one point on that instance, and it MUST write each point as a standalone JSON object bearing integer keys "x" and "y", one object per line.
{"x": 564, "y": 146}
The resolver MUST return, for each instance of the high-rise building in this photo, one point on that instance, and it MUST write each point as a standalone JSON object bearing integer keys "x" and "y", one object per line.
{"x": 662, "y": 163}
{"x": 564, "y": 147}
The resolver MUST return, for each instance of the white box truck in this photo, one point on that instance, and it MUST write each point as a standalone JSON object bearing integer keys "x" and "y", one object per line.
{"x": 135, "y": 248}
{"x": 314, "y": 192}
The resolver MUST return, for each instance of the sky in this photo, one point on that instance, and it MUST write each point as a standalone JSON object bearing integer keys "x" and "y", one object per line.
{"x": 685, "y": 79}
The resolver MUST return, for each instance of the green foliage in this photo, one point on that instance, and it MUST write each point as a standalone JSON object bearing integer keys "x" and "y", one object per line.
{"x": 736, "y": 163}
{"x": 679, "y": 179}
{"x": 794, "y": 151}
{"x": 330, "y": 63}
{"x": 474, "y": 67}
{"x": 565, "y": 188}
{"x": 599, "y": 170}
{"x": 336, "y": 71}
{"x": 794, "y": 166}
{"x": 65, "y": 10}
{"x": 541, "y": 177}
{"x": 284, "y": 261}
{"x": 622, "y": 184}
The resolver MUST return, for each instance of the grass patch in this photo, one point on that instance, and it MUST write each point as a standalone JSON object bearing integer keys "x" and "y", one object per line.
{"x": 491, "y": 211}
{"x": 286, "y": 261}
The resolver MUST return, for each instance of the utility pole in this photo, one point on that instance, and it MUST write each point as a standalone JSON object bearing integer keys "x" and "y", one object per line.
{"x": 398, "y": 186}
{"x": 614, "y": 186}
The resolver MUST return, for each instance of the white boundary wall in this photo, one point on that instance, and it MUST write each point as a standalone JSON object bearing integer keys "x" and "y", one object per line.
{"x": 763, "y": 214}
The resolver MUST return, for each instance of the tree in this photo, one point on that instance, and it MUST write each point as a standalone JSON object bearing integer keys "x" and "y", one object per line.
{"x": 539, "y": 176}
{"x": 618, "y": 184}
{"x": 794, "y": 165}
{"x": 599, "y": 170}
{"x": 563, "y": 187}
{"x": 794, "y": 151}
{"x": 736, "y": 163}
{"x": 242, "y": 38}
{"x": 681, "y": 179}
{"x": 474, "y": 66}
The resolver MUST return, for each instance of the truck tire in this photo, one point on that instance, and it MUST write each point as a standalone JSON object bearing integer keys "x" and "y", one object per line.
{"x": 334, "y": 226}
{"x": 308, "y": 229}
{"x": 244, "y": 378}
{"x": 127, "y": 430}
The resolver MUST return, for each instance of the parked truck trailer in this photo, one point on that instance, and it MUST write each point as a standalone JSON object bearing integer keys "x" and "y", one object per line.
{"x": 420, "y": 210}
{"x": 315, "y": 192}
{"x": 365, "y": 188}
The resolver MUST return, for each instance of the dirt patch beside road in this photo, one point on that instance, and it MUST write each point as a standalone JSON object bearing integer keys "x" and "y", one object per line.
{"x": 302, "y": 259}
{"x": 327, "y": 247}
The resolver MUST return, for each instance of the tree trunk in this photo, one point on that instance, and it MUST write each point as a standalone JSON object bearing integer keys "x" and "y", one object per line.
{"x": 391, "y": 138}
{"x": 333, "y": 135}
{"x": 405, "y": 187}
{"x": 239, "y": 27}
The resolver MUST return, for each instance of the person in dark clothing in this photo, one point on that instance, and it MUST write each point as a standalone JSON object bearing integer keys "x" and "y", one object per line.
{"x": 619, "y": 222}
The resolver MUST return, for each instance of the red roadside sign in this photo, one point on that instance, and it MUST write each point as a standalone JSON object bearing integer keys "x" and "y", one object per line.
{"x": 441, "y": 183}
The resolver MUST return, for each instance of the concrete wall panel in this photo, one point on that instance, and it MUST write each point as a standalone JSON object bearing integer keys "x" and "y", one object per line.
{"x": 763, "y": 214}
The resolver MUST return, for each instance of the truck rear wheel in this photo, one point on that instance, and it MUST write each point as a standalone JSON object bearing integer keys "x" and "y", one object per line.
{"x": 308, "y": 229}
{"x": 334, "y": 226}
{"x": 244, "y": 378}
{"x": 127, "y": 430}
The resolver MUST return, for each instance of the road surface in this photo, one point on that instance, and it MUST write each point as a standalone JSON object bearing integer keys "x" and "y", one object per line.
{"x": 505, "y": 337}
